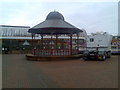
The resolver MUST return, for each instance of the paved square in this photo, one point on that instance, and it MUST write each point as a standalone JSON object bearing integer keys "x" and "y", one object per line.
{"x": 17, "y": 72}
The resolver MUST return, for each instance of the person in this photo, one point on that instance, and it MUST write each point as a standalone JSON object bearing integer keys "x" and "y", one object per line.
{"x": 6, "y": 50}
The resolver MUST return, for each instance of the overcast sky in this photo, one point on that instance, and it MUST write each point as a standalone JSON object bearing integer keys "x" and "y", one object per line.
{"x": 90, "y": 15}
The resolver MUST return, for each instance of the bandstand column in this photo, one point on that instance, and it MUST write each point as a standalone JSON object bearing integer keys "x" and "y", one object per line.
{"x": 56, "y": 40}
{"x": 70, "y": 43}
{"x": 77, "y": 41}
{"x": 51, "y": 45}
{"x": 56, "y": 45}
{"x": 41, "y": 50}
{"x": 42, "y": 40}
{"x": 32, "y": 41}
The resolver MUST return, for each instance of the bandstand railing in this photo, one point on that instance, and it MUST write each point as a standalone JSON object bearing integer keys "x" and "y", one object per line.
{"x": 54, "y": 52}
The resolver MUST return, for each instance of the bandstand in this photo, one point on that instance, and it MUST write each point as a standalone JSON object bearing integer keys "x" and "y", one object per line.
{"x": 53, "y": 27}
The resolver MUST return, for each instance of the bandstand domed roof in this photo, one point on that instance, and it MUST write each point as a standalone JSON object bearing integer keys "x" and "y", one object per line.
{"x": 54, "y": 24}
{"x": 55, "y": 15}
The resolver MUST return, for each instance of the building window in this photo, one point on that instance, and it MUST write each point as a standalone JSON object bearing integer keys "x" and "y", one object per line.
{"x": 91, "y": 40}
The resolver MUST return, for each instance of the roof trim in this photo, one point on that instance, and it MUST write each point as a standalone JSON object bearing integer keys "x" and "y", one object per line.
{"x": 14, "y": 26}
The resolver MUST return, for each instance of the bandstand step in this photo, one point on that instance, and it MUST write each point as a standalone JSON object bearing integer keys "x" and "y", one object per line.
{"x": 32, "y": 57}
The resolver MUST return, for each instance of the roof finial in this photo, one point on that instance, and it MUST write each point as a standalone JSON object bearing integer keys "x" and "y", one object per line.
{"x": 54, "y": 10}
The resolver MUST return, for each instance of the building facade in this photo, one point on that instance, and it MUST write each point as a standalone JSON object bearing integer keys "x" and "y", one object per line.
{"x": 115, "y": 45}
{"x": 13, "y": 38}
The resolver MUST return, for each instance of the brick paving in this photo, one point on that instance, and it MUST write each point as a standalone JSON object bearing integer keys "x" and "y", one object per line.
{"x": 17, "y": 72}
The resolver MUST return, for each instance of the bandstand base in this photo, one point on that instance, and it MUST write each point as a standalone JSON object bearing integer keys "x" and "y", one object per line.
{"x": 32, "y": 57}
